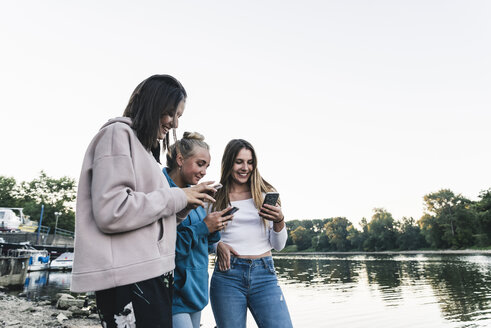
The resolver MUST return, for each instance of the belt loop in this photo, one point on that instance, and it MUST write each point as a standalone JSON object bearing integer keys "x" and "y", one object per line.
{"x": 264, "y": 262}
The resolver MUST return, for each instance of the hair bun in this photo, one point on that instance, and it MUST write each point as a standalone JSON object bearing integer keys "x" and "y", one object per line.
{"x": 193, "y": 136}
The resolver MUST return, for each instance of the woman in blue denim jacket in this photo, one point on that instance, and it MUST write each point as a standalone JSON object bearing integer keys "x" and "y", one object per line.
{"x": 187, "y": 161}
{"x": 244, "y": 275}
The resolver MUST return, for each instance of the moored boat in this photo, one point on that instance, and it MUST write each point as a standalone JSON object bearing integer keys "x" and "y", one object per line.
{"x": 13, "y": 219}
{"x": 38, "y": 259}
{"x": 62, "y": 262}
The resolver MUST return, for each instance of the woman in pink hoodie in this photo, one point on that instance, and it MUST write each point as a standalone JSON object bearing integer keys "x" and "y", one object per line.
{"x": 126, "y": 214}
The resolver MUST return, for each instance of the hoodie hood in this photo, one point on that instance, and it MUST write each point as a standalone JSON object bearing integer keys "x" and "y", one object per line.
{"x": 125, "y": 120}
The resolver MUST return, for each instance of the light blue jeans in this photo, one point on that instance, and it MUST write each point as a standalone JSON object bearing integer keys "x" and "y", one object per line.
{"x": 248, "y": 284}
{"x": 186, "y": 320}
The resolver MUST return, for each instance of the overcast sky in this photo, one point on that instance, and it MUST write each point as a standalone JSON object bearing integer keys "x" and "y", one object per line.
{"x": 351, "y": 105}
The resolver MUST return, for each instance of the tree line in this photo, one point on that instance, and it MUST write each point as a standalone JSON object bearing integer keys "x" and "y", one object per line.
{"x": 57, "y": 195}
{"x": 450, "y": 221}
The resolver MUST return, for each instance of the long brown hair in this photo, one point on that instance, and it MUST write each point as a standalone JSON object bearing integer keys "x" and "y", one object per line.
{"x": 257, "y": 184}
{"x": 154, "y": 97}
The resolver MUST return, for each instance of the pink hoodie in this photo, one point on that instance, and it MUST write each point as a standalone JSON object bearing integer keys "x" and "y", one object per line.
{"x": 125, "y": 226}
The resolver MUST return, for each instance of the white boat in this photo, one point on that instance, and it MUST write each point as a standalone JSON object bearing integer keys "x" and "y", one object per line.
{"x": 38, "y": 259}
{"x": 13, "y": 219}
{"x": 9, "y": 221}
{"x": 62, "y": 262}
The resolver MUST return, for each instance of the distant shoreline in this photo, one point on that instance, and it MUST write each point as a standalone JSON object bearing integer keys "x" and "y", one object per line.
{"x": 414, "y": 252}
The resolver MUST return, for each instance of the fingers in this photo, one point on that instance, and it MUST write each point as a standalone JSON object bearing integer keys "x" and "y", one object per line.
{"x": 226, "y": 261}
{"x": 223, "y": 252}
{"x": 220, "y": 225}
{"x": 202, "y": 198}
{"x": 270, "y": 212}
{"x": 233, "y": 251}
{"x": 216, "y": 222}
{"x": 206, "y": 198}
{"x": 206, "y": 187}
{"x": 270, "y": 208}
{"x": 226, "y": 217}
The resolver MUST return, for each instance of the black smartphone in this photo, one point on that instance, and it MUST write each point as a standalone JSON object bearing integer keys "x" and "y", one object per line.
{"x": 271, "y": 198}
{"x": 231, "y": 211}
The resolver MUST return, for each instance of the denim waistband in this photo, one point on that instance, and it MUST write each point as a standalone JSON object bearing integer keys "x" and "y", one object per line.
{"x": 262, "y": 261}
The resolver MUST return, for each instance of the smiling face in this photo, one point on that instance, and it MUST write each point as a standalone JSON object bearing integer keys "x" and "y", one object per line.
{"x": 168, "y": 122}
{"x": 243, "y": 166}
{"x": 193, "y": 168}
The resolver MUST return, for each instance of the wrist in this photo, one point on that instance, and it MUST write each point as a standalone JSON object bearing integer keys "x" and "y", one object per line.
{"x": 281, "y": 220}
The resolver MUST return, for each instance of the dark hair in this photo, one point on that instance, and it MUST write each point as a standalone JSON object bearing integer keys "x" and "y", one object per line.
{"x": 154, "y": 97}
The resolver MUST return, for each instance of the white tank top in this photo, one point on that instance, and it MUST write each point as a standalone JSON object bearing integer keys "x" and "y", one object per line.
{"x": 247, "y": 234}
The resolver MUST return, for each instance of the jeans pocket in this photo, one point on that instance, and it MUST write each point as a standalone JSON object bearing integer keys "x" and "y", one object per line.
{"x": 271, "y": 268}
{"x": 217, "y": 269}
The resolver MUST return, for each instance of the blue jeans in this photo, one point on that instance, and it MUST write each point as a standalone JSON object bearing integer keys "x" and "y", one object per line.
{"x": 248, "y": 284}
{"x": 186, "y": 320}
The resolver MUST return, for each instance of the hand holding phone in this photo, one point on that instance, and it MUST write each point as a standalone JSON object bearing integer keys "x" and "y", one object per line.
{"x": 216, "y": 221}
{"x": 271, "y": 198}
{"x": 275, "y": 215}
{"x": 231, "y": 211}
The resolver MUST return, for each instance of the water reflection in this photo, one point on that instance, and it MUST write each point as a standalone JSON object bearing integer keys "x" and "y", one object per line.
{"x": 45, "y": 284}
{"x": 317, "y": 271}
{"x": 459, "y": 285}
{"x": 462, "y": 287}
{"x": 362, "y": 291}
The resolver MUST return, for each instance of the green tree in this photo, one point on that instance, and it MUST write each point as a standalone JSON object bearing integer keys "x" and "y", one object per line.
{"x": 320, "y": 242}
{"x": 432, "y": 232}
{"x": 57, "y": 195}
{"x": 291, "y": 226}
{"x": 410, "y": 236}
{"x": 302, "y": 238}
{"x": 355, "y": 238}
{"x": 307, "y": 224}
{"x": 323, "y": 244}
{"x": 449, "y": 220}
{"x": 319, "y": 224}
{"x": 8, "y": 192}
{"x": 337, "y": 232}
{"x": 381, "y": 232}
{"x": 483, "y": 214}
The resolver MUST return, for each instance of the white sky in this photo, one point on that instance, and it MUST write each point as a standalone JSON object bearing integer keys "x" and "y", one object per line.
{"x": 350, "y": 105}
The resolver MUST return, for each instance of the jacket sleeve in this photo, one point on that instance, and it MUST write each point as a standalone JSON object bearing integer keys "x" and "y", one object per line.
{"x": 117, "y": 206}
{"x": 213, "y": 238}
{"x": 188, "y": 237}
{"x": 278, "y": 239}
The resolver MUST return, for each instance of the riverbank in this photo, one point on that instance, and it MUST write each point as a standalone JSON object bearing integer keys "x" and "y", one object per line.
{"x": 20, "y": 313}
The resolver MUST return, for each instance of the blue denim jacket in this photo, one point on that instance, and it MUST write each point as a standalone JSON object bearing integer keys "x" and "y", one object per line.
{"x": 193, "y": 243}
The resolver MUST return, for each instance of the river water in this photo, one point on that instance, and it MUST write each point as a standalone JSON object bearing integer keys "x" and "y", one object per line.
{"x": 364, "y": 290}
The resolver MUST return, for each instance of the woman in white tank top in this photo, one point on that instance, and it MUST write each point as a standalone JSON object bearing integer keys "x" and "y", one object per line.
{"x": 244, "y": 275}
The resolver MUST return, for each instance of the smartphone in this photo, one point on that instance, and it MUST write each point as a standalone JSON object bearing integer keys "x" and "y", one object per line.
{"x": 231, "y": 211}
{"x": 271, "y": 198}
{"x": 217, "y": 186}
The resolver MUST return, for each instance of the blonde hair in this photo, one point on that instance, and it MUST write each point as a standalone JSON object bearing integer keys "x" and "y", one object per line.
{"x": 186, "y": 147}
{"x": 257, "y": 184}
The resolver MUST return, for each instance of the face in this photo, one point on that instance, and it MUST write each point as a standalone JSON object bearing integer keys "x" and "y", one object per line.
{"x": 168, "y": 122}
{"x": 242, "y": 169}
{"x": 194, "y": 168}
